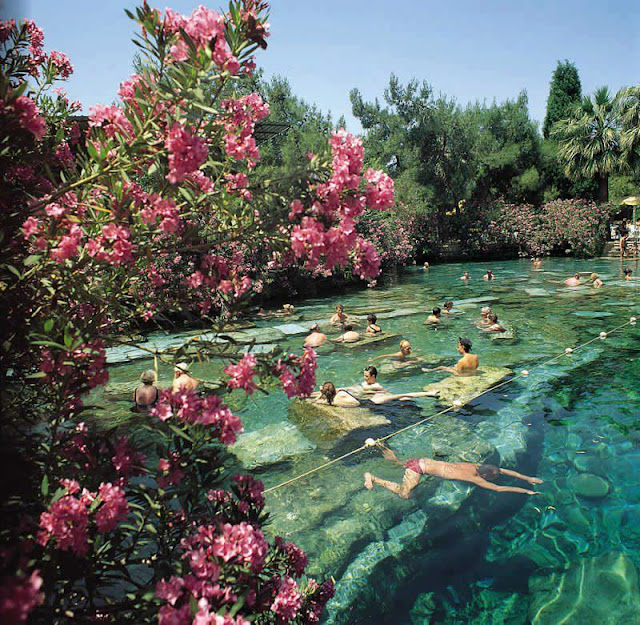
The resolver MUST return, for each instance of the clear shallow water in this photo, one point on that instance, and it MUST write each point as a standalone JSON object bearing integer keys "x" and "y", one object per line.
{"x": 453, "y": 554}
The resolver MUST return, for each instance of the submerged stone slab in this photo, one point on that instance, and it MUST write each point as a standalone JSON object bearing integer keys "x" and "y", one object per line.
{"x": 589, "y": 314}
{"x": 589, "y": 485}
{"x": 463, "y": 388}
{"x": 383, "y": 337}
{"x": 537, "y": 292}
{"x": 400, "y": 312}
{"x": 411, "y": 367}
{"x": 324, "y": 424}
{"x": 257, "y": 335}
{"x": 371, "y": 310}
{"x": 508, "y": 336}
{"x": 595, "y": 590}
{"x": 291, "y": 329}
{"x": 270, "y": 445}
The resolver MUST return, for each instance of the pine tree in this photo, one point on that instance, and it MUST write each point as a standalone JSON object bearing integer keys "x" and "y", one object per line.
{"x": 564, "y": 93}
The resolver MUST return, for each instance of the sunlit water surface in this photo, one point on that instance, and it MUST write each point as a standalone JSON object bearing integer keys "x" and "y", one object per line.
{"x": 452, "y": 554}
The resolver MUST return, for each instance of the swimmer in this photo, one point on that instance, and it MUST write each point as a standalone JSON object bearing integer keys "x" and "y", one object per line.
{"x": 575, "y": 281}
{"x": 349, "y": 336}
{"x": 465, "y": 276}
{"x": 467, "y": 365}
{"x": 595, "y": 281}
{"x": 434, "y": 317}
{"x": 372, "y": 326}
{"x": 493, "y": 326}
{"x": 182, "y": 380}
{"x": 339, "y": 318}
{"x": 537, "y": 262}
{"x": 287, "y": 309}
{"x": 147, "y": 394}
{"x": 403, "y": 356}
{"x": 371, "y": 389}
{"x": 489, "y": 275}
{"x": 628, "y": 275}
{"x": 485, "y": 311}
{"x": 425, "y": 266}
{"x": 479, "y": 474}
{"x": 447, "y": 308}
{"x": 370, "y": 383}
{"x": 315, "y": 338}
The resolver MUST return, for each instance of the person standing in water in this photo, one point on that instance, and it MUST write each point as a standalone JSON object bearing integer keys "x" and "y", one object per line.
{"x": 465, "y": 276}
{"x": 489, "y": 275}
{"x": 403, "y": 356}
{"x": 595, "y": 281}
{"x": 315, "y": 338}
{"x": 435, "y": 316}
{"x": 467, "y": 365}
{"x": 479, "y": 474}
{"x": 339, "y": 318}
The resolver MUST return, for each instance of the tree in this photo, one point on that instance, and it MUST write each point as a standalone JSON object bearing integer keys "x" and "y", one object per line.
{"x": 628, "y": 102}
{"x": 565, "y": 92}
{"x": 589, "y": 140}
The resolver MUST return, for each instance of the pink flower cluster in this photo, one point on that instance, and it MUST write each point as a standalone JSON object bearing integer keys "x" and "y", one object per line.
{"x": 111, "y": 119}
{"x": 61, "y": 64}
{"x": 125, "y": 460}
{"x": 297, "y": 559}
{"x": 206, "y": 28}
{"x": 241, "y": 374}
{"x": 67, "y": 519}
{"x": 239, "y": 126}
{"x": 189, "y": 407}
{"x": 18, "y": 596}
{"x": 186, "y": 153}
{"x": 328, "y": 235}
{"x": 288, "y": 600}
{"x": 113, "y": 245}
{"x": 26, "y": 114}
{"x": 302, "y": 383}
{"x": 171, "y": 471}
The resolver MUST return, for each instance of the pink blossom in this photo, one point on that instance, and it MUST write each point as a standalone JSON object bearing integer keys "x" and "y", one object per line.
{"x": 171, "y": 590}
{"x": 126, "y": 461}
{"x": 241, "y": 374}
{"x": 62, "y": 64}
{"x": 114, "y": 507}
{"x": 30, "y": 227}
{"x": 379, "y": 190}
{"x": 18, "y": 596}
{"x": 6, "y": 28}
{"x": 64, "y": 155}
{"x": 66, "y": 521}
{"x": 288, "y": 600}
{"x": 186, "y": 153}
{"x": 241, "y": 543}
{"x": 29, "y": 117}
{"x": 249, "y": 489}
{"x": 172, "y": 473}
{"x": 112, "y": 119}
{"x": 167, "y": 615}
{"x": 297, "y": 558}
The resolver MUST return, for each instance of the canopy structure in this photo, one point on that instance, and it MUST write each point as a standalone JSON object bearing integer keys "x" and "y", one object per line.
{"x": 266, "y": 130}
{"x": 632, "y": 200}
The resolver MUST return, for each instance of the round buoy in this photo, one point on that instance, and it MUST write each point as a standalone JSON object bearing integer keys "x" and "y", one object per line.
{"x": 457, "y": 403}
{"x": 369, "y": 442}
{"x": 525, "y": 372}
{"x": 603, "y": 335}
{"x": 569, "y": 350}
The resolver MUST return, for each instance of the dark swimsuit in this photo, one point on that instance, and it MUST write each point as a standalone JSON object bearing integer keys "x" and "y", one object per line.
{"x": 373, "y": 330}
{"x": 145, "y": 406}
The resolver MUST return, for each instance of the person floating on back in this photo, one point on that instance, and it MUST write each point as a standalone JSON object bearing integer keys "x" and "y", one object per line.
{"x": 479, "y": 474}
{"x": 467, "y": 365}
{"x": 574, "y": 281}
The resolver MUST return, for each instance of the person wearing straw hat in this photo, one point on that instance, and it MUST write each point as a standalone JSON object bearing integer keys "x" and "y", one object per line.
{"x": 479, "y": 474}
{"x": 182, "y": 381}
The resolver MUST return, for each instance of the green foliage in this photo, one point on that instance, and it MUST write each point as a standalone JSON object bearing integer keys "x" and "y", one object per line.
{"x": 564, "y": 93}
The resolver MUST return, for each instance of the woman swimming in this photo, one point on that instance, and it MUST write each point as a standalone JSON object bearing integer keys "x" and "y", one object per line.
{"x": 479, "y": 474}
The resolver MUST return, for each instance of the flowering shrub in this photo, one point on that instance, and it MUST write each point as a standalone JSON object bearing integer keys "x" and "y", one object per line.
{"x": 155, "y": 210}
{"x": 578, "y": 227}
{"x": 395, "y": 239}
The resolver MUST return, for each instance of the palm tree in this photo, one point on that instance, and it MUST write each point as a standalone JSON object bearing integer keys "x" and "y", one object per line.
{"x": 589, "y": 140}
{"x": 628, "y": 101}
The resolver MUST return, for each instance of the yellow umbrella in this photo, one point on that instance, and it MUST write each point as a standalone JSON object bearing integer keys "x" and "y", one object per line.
{"x": 632, "y": 200}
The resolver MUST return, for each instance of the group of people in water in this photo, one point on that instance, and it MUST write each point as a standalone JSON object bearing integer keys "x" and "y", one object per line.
{"x": 148, "y": 393}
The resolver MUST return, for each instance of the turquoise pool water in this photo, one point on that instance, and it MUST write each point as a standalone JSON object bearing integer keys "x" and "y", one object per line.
{"x": 453, "y": 554}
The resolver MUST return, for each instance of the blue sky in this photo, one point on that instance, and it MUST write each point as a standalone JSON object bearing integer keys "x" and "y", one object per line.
{"x": 467, "y": 49}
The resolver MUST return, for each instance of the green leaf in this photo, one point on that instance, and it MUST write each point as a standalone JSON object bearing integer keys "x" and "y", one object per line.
{"x": 180, "y": 432}
{"x": 44, "y": 487}
{"x": 48, "y": 325}
{"x": 32, "y": 260}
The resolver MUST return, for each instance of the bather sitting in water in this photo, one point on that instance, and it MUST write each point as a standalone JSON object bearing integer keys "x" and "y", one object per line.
{"x": 435, "y": 316}
{"x": 315, "y": 338}
{"x": 147, "y": 394}
{"x": 339, "y": 318}
{"x": 329, "y": 395}
{"x": 349, "y": 336}
{"x": 403, "y": 357}
{"x": 182, "y": 381}
{"x": 628, "y": 275}
{"x": 537, "y": 262}
{"x": 479, "y": 474}
{"x": 493, "y": 326}
{"x": 372, "y": 327}
{"x": 467, "y": 365}
{"x": 372, "y": 390}
{"x": 574, "y": 281}
{"x": 465, "y": 276}
{"x": 447, "y": 309}
{"x": 595, "y": 281}
{"x": 484, "y": 316}
{"x": 489, "y": 275}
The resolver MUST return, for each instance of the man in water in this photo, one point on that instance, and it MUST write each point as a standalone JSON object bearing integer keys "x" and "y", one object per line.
{"x": 339, "y": 318}
{"x": 623, "y": 231}
{"x": 595, "y": 281}
{"x": 403, "y": 356}
{"x": 465, "y": 276}
{"x": 467, "y": 365}
{"x": 182, "y": 381}
{"x": 479, "y": 474}
{"x": 575, "y": 281}
{"x": 349, "y": 336}
{"x": 447, "y": 309}
{"x": 315, "y": 338}
{"x": 434, "y": 317}
{"x": 493, "y": 326}
{"x": 489, "y": 275}
{"x": 628, "y": 275}
{"x": 372, "y": 390}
